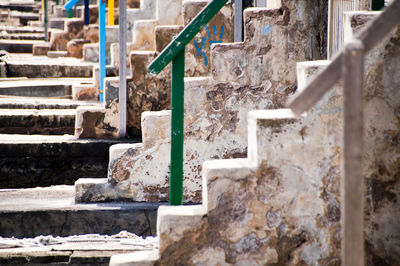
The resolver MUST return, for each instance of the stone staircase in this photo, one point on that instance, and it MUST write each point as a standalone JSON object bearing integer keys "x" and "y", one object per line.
{"x": 144, "y": 91}
{"x": 41, "y": 159}
{"x": 281, "y": 204}
{"x": 274, "y": 197}
{"x": 216, "y": 106}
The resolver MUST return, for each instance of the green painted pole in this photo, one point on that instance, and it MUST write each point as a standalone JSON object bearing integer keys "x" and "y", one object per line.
{"x": 377, "y": 5}
{"x": 70, "y": 13}
{"x": 177, "y": 101}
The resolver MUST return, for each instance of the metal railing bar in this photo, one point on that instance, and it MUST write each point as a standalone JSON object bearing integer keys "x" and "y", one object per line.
{"x": 322, "y": 82}
{"x": 186, "y": 35}
{"x": 352, "y": 190}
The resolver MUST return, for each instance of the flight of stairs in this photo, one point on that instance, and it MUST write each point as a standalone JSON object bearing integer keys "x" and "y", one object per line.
{"x": 274, "y": 199}
{"x": 256, "y": 74}
{"x": 281, "y": 204}
{"x": 152, "y": 93}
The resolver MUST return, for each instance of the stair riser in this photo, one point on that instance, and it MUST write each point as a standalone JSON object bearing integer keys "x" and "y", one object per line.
{"x": 46, "y": 164}
{"x": 37, "y": 124}
{"x": 44, "y": 71}
{"x": 38, "y": 91}
{"x": 29, "y": 36}
{"x": 65, "y": 223}
{"x": 16, "y": 47}
{"x": 22, "y": 8}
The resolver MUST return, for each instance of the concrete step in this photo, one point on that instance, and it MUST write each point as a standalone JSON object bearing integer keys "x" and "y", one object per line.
{"x": 22, "y": 36}
{"x": 42, "y": 103}
{"x": 56, "y": 23}
{"x": 37, "y": 160}
{"x": 39, "y": 87}
{"x": 26, "y": 65}
{"x": 20, "y": 6}
{"x": 52, "y": 211}
{"x": 26, "y": 29}
{"x": 22, "y": 17}
{"x": 18, "y": 46}
{"x": 45, "y": 122}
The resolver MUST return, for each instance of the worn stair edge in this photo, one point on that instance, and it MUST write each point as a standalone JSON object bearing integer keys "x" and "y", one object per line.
{"x": 26, "y": 121}
{"x": 42, "y": 103}
{"x": 139, "y": 258}
{"x": 18, "y": 46}
{"x": 28, "y": 161}
{"x": 52, "y": 211}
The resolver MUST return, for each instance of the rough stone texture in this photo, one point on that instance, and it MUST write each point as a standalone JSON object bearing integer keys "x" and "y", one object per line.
{"x": 91, "y": 33}
{"x": 143, "y": 30}
{"x": 98, "y": 122}
{"x": 281, "y": 205}
{"x": 85, "y": 93}
{"x": 75, "y": 47}
{"x": 147, "y": 10}
{"x": 381, "y": 149}
{"x": 216, "y": 107}
{"x": 152, "y": 93}
{"x": 73, "y": 30}
{"x": 40, "y": 49}
{"x": 91, "y": 52}
{"x": 218, "y": 30}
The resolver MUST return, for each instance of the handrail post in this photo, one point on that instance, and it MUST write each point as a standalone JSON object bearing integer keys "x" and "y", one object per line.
{"x": 238, "y": 21}
{"x": 122, "y": 68}
{"x": 352, "y": 183}
{"x": 177, "y": 109}
{"x": 111, "y": 12}
{"x": 87, "y": 12}
{"x": 102, "y": 43}
{"x": 46, "y": 22}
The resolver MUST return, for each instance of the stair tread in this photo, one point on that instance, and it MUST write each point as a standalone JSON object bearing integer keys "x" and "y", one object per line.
{"x": 43, "y": 103}
{"x": 57, "y": 198}
{"x": 29, "y": 82}
{"x": 28, "y": 59}
{"x": 42, "y": 112}
{"x": 40, "y": 139}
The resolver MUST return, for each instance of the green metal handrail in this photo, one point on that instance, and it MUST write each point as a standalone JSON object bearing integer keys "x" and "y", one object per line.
{"x": 175, "y": 52}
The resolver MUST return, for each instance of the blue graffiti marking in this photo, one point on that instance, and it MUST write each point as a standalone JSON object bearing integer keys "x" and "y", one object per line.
{"x": 211, "y": 38}
{"x": 266, "y": 29}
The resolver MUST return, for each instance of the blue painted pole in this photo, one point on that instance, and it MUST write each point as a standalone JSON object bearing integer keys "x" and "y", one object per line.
{"x": 87, "y": 12}
{"x": 70, "y": 4}
{"x": 102, "y": 39}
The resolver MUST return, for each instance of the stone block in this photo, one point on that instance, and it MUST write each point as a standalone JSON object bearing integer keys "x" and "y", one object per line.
{"x": 55, "y": 54}
{"x": 95, "y": 122}
{"x": 75, "y": 47}
{"x": 91, "y": 52}
{"x": 85, "y": 93}
{"x": 40, "y": 49}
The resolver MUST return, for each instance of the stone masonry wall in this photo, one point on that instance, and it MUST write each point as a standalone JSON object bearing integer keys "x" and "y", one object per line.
{"x": 286, "y": 211}
{"x": 256, "y": 74}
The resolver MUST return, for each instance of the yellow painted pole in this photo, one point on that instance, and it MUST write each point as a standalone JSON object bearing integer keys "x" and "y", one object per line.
{"x": 111, "y": 12}
{"x": 42, "y": 5}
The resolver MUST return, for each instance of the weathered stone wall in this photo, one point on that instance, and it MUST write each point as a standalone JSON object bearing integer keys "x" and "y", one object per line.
{"x": 152, "y": 93}
{"x": 286, "y": 211}
{"x": 216, "y": 107}
{"x": 381, "y": 150}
